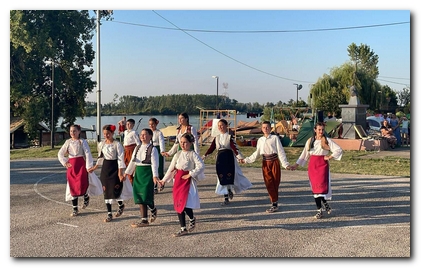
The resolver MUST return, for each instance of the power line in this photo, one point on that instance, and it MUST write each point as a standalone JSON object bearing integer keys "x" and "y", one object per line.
{"x": 251, "y": 67}
{"x": 263, "y": 31}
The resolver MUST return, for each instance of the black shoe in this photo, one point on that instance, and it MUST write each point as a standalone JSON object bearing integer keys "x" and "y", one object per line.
{"x": 192, "y": 224}
{"x": 74, "y": 213}
{"x": 230, "y": 194}
{"x": 85, "y": 203}
{"x": 109, "y": 217}
{"x": 120, "y": 211}
{"x": 142, "y": 223}
{"x": 153, "y": 215}
{"x": 226, "y": 202}
{"x": 181, "y": 233}
{"x": 319, "y": 214}
{"x": 272, "y": 209}
{"x": 328, "y": 209}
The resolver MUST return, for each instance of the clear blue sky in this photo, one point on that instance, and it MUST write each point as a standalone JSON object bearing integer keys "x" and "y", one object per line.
{"x": 144, "y": 52}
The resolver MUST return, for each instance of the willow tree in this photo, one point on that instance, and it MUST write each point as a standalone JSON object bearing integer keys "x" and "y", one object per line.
{"x": 46, "y": 44}
{"x": 332, "y": 89}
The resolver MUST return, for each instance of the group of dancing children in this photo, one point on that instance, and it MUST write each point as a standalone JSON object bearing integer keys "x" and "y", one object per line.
{"x": 141, "y": 160}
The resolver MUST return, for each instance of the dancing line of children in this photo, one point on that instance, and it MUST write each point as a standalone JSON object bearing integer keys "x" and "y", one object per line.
{"x": 141, "y": 161}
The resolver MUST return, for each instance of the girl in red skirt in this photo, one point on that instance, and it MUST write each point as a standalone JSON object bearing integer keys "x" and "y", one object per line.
{"x": 75, "y": 155}
{"x": 186, "y": 169}
{"x": 316, "y": 152}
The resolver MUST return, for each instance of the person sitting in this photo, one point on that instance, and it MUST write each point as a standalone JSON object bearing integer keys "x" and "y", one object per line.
{"x": 388, "y": 135}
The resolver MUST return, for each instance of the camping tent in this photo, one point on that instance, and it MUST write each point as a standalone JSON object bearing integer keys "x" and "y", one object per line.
{"x": 306, "y": 131}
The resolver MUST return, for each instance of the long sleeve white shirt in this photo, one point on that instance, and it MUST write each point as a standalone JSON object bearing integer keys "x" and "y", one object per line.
{"x": 113, "y": 151}
{"x": 318, "y": 150}
{"x": 269, "y": 145}
{"x": 131, "y": 137}
{"x": 158, "y": 139}
{"x": 75, "y": 148}
{"x": 141, "y": 156}
{"x": 174, "y": 148}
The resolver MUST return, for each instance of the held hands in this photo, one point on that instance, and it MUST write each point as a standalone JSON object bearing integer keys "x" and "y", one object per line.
{"x": 185, "y": 177}
{"x": 92, "y": 168}
{"x": 165, "y": 154}
{"x": 242, "y": 161}
{"x": 292, "y": 167}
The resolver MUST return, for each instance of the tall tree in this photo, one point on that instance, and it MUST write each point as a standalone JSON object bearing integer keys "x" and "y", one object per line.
{"x": 37, "y": 39}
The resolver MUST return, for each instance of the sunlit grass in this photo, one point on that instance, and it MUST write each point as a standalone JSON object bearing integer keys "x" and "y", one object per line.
{"x": 353, "y": 162}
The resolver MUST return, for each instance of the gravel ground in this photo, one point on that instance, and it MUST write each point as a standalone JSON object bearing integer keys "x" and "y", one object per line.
{"x": 371, "y": 218}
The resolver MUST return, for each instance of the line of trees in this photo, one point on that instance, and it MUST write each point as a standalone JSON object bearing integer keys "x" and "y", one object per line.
{"x": 58, "y": 43}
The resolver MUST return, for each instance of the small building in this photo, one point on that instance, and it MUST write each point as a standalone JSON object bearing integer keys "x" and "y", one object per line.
{"x": 18, "y": 137}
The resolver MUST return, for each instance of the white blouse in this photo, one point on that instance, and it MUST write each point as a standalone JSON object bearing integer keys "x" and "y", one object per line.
{"x": 318, "y": 150}
{"x": 141, "y": 156}
{"x": 75, "y": 148}
{"x": 269, "y": 145}
{"x": 158, "y": 140}
{"x": 113, "y": 151}
{"x": 131, "y": 137}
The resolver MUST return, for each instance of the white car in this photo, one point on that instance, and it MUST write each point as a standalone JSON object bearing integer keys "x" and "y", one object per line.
{"x": 374, "y": 123}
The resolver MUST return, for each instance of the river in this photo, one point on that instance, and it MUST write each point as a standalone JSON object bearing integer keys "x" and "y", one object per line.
{"x": 164, "y": 120}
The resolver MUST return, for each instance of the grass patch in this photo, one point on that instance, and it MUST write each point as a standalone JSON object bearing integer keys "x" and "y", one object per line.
{"x": 353, "y": 162}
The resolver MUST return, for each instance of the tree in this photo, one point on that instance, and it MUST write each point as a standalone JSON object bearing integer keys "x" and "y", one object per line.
{"x": 39, "y": 36}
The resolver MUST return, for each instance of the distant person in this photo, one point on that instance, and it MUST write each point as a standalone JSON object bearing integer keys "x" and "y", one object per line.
{"x": 186, "y": 169}
{"x": 144, "y": 165}
{"x": 158, "y": 142}
{"x": 270, "y": 148}
{"x": 111, "y": 160}
{"x": 75, "y": 155}
{"x": 122, "y": 128}
{"x": 387, "y": 133}
{"x": 330, "y": 117}
{"x": 405, "y": 130}
{"x": 131, "y": 139}
{"x": 229, "y": 175}
{"x": 184, "y": 127}
{"x": 395, "y": 123}
{"x": 316, "y": 152}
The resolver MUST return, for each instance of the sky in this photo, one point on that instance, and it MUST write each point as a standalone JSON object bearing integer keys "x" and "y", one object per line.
{"x": 139, "y": 58}
{"x": 258, "y": 55}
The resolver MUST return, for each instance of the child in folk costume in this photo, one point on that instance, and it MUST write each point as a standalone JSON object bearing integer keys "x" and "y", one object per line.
{"x": 186, "y": 169}
{"x": 229, "y": 174}
{"x": 144, "y": 164}
{"x": 158, "y": 142}
{"x": 111, "y": 158}
{"x": 316, "y": 152}
{"x": 131, "y": 139}
{"x": 75, "y": 155}
{"x": 184, "y": 127}
{"x": 270, "y": 148}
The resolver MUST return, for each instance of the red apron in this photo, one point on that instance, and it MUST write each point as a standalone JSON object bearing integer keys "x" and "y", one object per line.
{"x": 318, "y": 173}
{"x": 180, "y": 191}
{"x": 77, "y": 176}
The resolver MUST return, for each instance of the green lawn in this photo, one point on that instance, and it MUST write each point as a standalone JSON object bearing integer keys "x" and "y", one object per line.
{"x": 353, "y": 162}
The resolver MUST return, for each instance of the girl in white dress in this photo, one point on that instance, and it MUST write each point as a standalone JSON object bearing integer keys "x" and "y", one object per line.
{"x": 316, "y": 152}
{"x": 186, "y": 169}
{"x": 75, "y": 155}
{"x": 229, "y": 175}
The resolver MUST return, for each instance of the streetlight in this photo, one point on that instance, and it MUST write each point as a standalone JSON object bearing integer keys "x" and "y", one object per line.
{"x": 52, "y": 103}
{"x": 217, "y": 83}
{"x": 298, "y": 88}
{"x": 98, "y": 91}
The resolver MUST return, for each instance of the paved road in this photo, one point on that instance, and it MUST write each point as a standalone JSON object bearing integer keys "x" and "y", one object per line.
{"x": 371, "y": 218}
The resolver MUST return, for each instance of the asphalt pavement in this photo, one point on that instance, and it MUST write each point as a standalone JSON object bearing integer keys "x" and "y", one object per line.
{"x": 371, "y": 218}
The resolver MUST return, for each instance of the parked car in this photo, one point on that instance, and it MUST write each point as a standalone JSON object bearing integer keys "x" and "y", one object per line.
{"x": 374, "y": 123}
